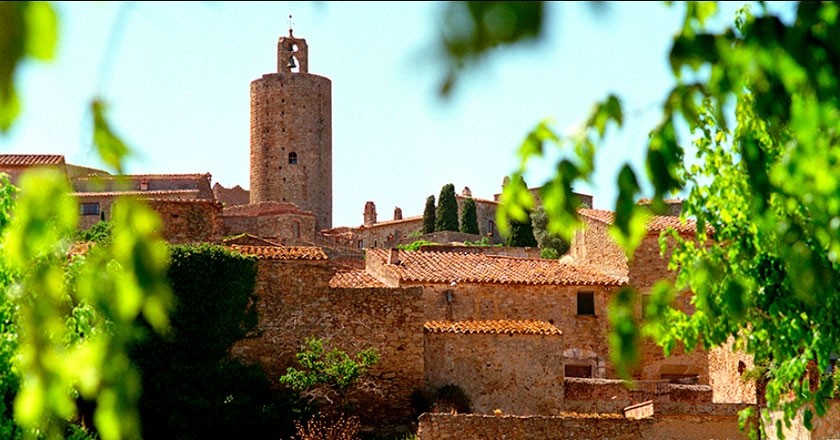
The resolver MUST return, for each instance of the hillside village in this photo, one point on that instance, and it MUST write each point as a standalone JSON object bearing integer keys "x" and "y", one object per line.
{"x": 525, "y": 338}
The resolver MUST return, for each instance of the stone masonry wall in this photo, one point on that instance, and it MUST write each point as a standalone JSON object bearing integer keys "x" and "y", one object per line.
{"x": 290, "y": 228}
{"x": 296, "y": 302}
{"x": 585, "y": 336}
{"x": 516, "y": 373}
{"x": 576, "y": 426}
{"x": 231, "y": 196}
{"x": 726, "y": 371}
{"x": 593, "y": 245}
{"x": 291, "y": 117}
{"x": 189, "y": 221}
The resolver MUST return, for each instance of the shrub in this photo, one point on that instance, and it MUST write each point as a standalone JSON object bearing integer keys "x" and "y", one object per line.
{"x": 192, "y": 387}
{"x": 414, "y": 246}
{"x": 446, "y": 398}
{"x": 321, "y": 427}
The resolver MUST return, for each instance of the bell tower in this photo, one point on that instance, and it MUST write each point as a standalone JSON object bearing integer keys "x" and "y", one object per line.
{"x": 291, "y": 134}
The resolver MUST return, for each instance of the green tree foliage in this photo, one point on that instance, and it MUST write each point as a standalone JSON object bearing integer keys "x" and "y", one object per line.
{"x": 446, "y": 216}
{"x": 192, "y": 387}
{"x": 521, "y": 234}
{"x": 328, "y": 375}
{"x": 99, "y": 233}
{"x": 469, "y": 217}
{"x": 429, "y": 215}
{"x": 551, "y": 245}
{"x": 783, "y": 146}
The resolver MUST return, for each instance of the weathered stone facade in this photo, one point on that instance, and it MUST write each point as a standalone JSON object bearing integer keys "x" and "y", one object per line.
{"x": 279, "y": 222}
{"x": 296, "y": 302}
{"x": 291, "y": 135}
{"x": 515, "y": 372}
{"x": 231, "y": 196}
{"x": 686, "y": 423}
{"x": 189, "y": 221}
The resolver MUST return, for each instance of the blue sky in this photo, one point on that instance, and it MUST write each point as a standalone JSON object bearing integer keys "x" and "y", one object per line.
{"x": 176, "y": 76}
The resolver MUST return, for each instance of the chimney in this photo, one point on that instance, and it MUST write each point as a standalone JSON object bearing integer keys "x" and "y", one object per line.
{"x": 370, "y": 213}
{"x": 397, "y": 213}
{"x": 394, "y": 256}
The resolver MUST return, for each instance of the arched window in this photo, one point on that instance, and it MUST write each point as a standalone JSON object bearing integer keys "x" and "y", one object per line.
{"x": 292, "y": 158}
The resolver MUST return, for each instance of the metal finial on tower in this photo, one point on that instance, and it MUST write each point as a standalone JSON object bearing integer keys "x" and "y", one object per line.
{"x": 290, "y": 25}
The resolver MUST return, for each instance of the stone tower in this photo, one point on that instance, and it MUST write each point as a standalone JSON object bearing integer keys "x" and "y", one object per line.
{"x": 291, "y": 134}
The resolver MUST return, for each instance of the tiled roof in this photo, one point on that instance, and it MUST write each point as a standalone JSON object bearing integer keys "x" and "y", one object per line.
{"x": 447, "y": 267}
{"x": 281, "y": 252}
{"x": 657, "y": 223}
{"x": 192, "y": 176}
{"x": 500, "y": 327}
{"x": 31, "y": 159}
{"x": 144, "y": 194}
{"x": 354, "y": 279}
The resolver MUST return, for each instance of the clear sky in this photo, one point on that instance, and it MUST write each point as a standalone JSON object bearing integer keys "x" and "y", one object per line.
{"x": 177, "y": 77}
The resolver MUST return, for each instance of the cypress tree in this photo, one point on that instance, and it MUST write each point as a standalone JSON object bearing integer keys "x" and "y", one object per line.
{"x": 446, "y": 218}
{"x": 469, "y": 218}
{"x": 429, "y": 215}
{"x": 521, "y": 234}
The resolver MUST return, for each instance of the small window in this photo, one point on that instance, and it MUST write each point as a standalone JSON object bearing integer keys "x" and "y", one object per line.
{"x": 296, "y": 229}
{"x": 144, "y": 185}
{"x": 90, "y": 208}
{"x": 292, "y": 158}
{"x": 586, "y": 303}
{"x": 578, "y": 370}
{"x": 490, "y": 228}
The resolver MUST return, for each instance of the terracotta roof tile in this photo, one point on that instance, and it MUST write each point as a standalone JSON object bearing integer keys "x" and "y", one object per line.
{"x": 192, "y": 176}
{"x": 31, "y": 159}
{"x": 435, "y": 267}
{"x": 499, "y": 327}
{"x": 656, "y": 224}
{"x": 416, "y": 218}
{"x": 354, "y": 279}
{"x": 144, "y": 194}
{"x": 281, "y": 252}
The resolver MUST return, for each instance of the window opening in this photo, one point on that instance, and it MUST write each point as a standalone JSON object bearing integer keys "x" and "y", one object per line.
{"x": 586, "y": 303}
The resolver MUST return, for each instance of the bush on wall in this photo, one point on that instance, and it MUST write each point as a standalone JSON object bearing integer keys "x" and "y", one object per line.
{"x": 192, "y": 387}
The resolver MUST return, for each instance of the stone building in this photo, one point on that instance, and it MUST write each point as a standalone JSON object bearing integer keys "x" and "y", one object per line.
{"x": 527, "y": 339}
{"x": 291, "y": 134}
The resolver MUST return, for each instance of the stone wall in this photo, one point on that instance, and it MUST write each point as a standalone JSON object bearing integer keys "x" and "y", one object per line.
{"x": 515, "y": 373}
{"x": 613, "y": 395}
{"x": 231, "y": 196}
{"x": 280, "y": 222}
{"x": 189, "y": 221}
{"x": 296, "y": 302}
{"x": 726, "y": 372}
{"x": 715, "y": 424}
{"x": 593, "y": 245}
{"x": 585, "y": 335}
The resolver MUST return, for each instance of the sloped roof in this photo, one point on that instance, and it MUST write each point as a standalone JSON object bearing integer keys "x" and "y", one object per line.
{"x": 31, "y": 159}
{"x": 281, "y": 252}
{"x": 143, "y": 194}
{"x": 435, "y": 267}
{"x": 191, "y": 176}
{"x": 497, "y": 327}
{"x": 656, "y": 224}
{"x": 354, "y": 279}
